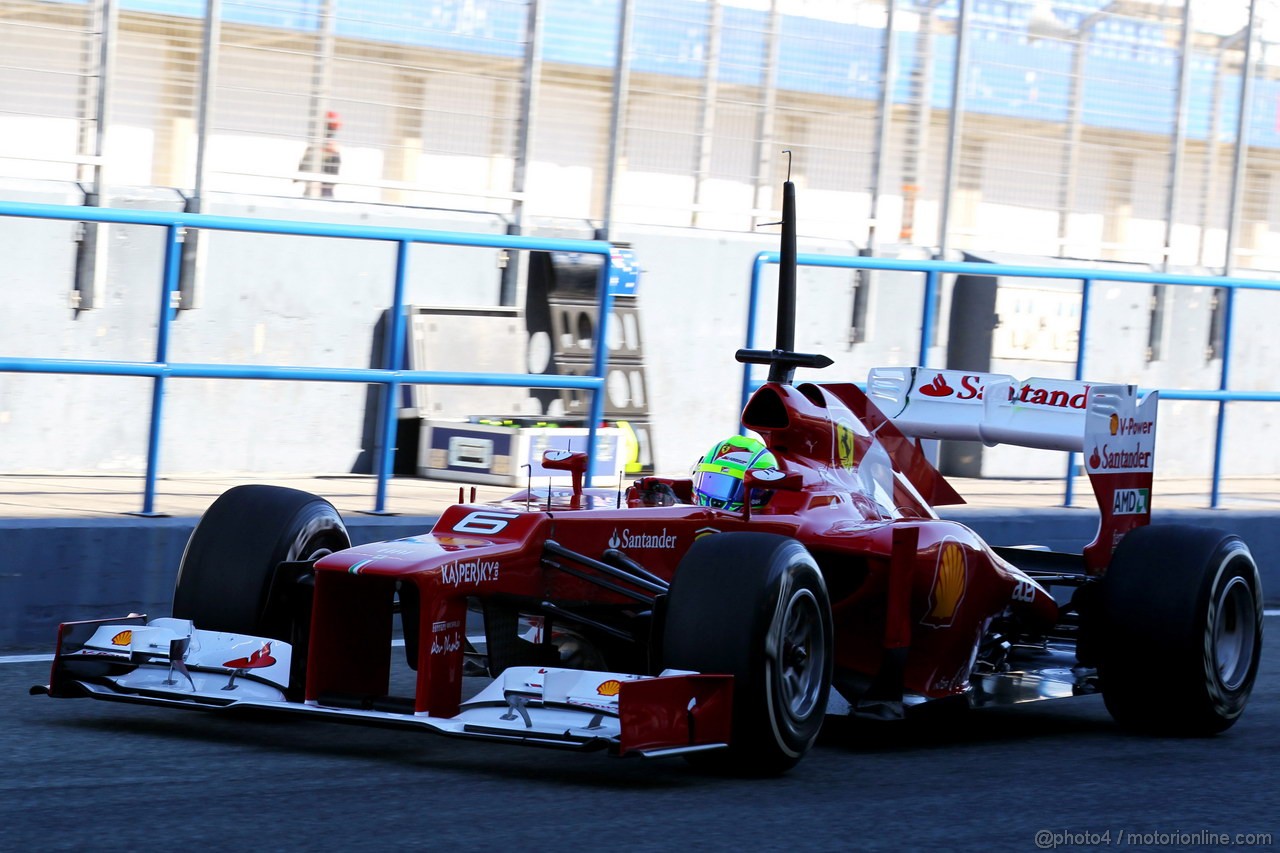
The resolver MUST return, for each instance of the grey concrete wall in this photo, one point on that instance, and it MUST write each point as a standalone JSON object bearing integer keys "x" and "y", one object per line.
{"x": 54, "y": 571}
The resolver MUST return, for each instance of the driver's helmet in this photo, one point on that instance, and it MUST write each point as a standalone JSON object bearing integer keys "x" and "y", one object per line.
{"x": 718, "y": 476}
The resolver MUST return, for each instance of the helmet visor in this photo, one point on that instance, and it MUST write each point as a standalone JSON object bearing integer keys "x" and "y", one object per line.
{"x": 719, "y": 490}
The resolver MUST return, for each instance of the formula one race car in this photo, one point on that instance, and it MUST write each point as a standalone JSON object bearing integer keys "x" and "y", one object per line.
{"x": 647, "y": 624}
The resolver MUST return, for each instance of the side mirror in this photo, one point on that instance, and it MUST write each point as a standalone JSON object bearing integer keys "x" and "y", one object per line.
{"x": 773, "y": 480}
{"x": 573, "y": 461}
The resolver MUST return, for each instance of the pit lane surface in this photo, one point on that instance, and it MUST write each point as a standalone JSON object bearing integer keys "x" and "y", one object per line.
{"x": 86, "y": 775}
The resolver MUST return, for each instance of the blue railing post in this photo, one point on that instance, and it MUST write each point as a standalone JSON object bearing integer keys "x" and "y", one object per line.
{"x": 927, "y": 319}
{"x": 168, "y": 290}
{"x": 600, "y": 364}
{"x": 753, "y": 316}
{"x": 1221, "y": 428}
{"x": 1086, "y": 285}
{"x": 391, "y": 388}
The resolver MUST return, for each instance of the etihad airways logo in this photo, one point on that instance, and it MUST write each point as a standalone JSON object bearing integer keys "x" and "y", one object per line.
{"x": 1073, "y": 396}
{"x": 642, "y": 541}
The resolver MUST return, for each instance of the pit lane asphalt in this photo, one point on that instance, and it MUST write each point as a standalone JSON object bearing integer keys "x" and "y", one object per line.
{"x": 95, "y": 775}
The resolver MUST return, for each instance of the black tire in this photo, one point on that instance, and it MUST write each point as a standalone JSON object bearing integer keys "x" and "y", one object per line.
{"x": 1182, "y": 617}
{"x": 755, "y": 606}
{"x": 225, "y": 578}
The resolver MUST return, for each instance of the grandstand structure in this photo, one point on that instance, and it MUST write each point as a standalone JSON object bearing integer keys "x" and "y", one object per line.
{"x": 1144, "y": 131}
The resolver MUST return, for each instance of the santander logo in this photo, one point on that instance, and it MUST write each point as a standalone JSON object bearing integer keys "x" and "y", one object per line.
{"x": 937, "y": 388}
{"x": 1124, "y": 458}
{"x": 1070, "y": 396}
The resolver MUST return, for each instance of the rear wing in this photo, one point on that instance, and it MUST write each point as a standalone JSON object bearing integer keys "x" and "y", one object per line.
{"x": 1107, "y": 423}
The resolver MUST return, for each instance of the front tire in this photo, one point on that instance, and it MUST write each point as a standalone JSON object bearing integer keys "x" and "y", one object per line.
{"x": 755, "y": 606}
{"x": 1182, "y": 610}
{"x": 228, "y": 568}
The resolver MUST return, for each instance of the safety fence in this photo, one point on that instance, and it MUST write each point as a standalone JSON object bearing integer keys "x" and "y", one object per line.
{"x": 390, "y": 377}
{"x": 393, "y": 375}
{"x": 933, "y": 270}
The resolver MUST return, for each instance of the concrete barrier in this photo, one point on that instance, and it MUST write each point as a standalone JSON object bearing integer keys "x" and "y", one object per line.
{"x": 61, "y": 570}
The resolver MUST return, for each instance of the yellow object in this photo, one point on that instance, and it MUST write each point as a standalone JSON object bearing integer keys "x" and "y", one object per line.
{"x": 948, "y": 584}
{"x": 630, "y": 450}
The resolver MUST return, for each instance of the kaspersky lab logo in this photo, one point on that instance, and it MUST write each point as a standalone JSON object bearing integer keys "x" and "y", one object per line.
{"x": 1131, "y": 502}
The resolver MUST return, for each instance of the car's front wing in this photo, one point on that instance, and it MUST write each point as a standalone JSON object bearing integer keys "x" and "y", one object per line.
{"x": 168, "y": 662}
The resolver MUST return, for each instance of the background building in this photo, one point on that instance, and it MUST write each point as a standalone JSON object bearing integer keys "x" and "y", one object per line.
{"x": 1083, "y": 128}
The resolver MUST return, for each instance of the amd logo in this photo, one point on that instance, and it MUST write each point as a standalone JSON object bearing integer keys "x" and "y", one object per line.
{"x": 1131, "y": 502}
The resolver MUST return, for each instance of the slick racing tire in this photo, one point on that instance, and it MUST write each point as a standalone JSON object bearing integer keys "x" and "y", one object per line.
{"x": 227, "y": 571}
{"x": 755, "y": 606}
{"x": 1182, "y": 615}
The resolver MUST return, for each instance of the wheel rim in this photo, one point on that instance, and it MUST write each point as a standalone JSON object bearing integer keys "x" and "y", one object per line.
{"x": 802, "y": 661}
{"x": 318, "y": 535}
{"x": 316, "y": 551}
{"x": 1234, "y": 633}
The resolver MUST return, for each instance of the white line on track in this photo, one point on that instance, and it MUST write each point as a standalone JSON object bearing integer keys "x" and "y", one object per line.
{"x": 48, "y": 658}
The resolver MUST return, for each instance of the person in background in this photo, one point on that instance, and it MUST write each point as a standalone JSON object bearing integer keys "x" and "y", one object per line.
{"x": 328, "y": 162}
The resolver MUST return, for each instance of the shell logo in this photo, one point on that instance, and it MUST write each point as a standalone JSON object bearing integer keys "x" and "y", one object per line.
{"x": 450, "y": 543}
{"x": 1115, "y": 424}
{"x": 950, "y": 578}
{"x": 610, "y": 687}
{"x": 124, "y": 638}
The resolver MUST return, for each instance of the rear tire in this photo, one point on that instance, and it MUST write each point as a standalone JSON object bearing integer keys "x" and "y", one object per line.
{"x": 227, "y": 571}
{"x": 1182, "y": 610}
{"x": 755, "y": 606}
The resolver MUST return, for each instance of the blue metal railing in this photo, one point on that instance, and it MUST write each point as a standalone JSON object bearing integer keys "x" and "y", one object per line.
{"x": 390, "y": 378}
{"x": 932, "y": 270}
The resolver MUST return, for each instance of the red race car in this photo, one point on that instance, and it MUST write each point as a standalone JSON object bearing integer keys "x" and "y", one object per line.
{"x": 719, "y": 617}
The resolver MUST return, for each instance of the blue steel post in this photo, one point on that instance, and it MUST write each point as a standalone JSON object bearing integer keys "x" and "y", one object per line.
{"x": 753, "y": 298}
{"x": 168, "y": 287}
{"x": 391, "y": 387}
{"x": 1085, "y": 286}
{"x": 927, "y": 319}
{"x": 1227, "y": 311}
{"x": 600, "y": 365}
